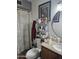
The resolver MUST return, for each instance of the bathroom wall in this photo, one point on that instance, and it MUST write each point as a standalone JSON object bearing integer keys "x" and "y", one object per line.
{"x": 36, "y": 3}
{"x": 57, "y": 26}
{"x": 26, "y": 4}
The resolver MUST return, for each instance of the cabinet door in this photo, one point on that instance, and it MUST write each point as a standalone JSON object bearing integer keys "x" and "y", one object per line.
{"x": 47, "y": 54}
{"x": 44, "y": 53}
{"x": 52, "y": 55}
{"x": 59, "y": 57}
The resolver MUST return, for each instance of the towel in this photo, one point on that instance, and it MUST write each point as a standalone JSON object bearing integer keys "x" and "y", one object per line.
{"x": 33, "y": 31}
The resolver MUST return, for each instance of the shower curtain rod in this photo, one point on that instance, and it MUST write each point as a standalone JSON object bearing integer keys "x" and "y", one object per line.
{"x": 22, "y": 8}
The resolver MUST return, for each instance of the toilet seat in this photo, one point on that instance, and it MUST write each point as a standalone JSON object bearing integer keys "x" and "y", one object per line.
{"x": 33, "y": 53}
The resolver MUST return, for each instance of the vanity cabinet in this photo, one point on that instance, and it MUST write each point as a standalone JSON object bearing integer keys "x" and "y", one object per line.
{"x": 48, "y": 54}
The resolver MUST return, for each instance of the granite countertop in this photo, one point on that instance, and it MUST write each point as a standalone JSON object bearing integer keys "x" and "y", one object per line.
{"x": 51, "y": 47}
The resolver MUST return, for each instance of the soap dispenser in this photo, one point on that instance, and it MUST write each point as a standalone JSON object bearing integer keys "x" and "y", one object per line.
{"x": 50, "y": 42}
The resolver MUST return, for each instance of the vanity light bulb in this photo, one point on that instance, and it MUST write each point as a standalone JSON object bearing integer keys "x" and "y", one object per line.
{"x": 59, "y": 7}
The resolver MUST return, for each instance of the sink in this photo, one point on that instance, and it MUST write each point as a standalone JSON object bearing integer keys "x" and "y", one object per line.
{"x": 58, "y": 47}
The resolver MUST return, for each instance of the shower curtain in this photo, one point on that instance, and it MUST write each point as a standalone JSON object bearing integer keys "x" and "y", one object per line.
{"x": 23, "y": 30}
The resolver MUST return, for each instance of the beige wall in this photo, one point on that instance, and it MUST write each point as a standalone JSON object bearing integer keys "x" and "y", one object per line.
{"x": 57, "y": 26}
{"x": 35, "y": 4}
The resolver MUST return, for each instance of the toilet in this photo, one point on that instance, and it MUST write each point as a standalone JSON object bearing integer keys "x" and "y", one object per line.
{"x": 34, "y": 52}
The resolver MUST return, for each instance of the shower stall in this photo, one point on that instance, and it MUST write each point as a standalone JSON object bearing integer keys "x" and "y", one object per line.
{"x": 23, "y": 30}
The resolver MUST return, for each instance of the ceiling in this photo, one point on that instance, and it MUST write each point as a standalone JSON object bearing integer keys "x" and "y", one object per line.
{"x": 29, "y": 0}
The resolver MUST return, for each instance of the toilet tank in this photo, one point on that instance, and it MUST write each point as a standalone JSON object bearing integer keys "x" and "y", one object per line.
{"x": 38, "y": 41}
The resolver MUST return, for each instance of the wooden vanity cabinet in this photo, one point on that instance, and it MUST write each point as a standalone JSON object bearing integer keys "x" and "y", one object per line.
{"x": 48, "y": 54}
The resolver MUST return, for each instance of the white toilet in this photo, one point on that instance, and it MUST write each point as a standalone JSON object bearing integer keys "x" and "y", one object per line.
{"x": 34, "y": 52}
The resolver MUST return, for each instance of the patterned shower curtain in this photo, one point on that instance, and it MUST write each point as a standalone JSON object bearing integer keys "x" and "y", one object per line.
{"x": 23, "y": 31}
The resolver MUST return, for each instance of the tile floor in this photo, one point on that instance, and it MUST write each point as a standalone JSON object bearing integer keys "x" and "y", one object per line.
{"x": 22, "y": 55}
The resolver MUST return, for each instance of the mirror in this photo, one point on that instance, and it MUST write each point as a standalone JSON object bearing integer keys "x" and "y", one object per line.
{"x": 57, "y": 22}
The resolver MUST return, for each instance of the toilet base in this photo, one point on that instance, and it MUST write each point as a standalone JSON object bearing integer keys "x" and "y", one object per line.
{"x": 33, "y": 53}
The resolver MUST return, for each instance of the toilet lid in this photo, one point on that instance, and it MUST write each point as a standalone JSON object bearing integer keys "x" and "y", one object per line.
{"x": 38, "y": 49}
{"x": 32, "y": 53}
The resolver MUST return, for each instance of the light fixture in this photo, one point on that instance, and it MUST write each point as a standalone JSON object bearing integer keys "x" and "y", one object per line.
{"x": 59, "y": 7}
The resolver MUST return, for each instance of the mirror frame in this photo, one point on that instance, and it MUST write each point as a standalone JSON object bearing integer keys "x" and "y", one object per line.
{"x": 55, "y": 22}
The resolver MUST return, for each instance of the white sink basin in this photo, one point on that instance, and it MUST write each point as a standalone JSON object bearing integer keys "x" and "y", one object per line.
{"x": 58, "y": 47}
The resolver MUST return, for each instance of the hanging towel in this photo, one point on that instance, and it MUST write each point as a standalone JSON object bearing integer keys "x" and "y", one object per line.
{"x": 33, "y": 31}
